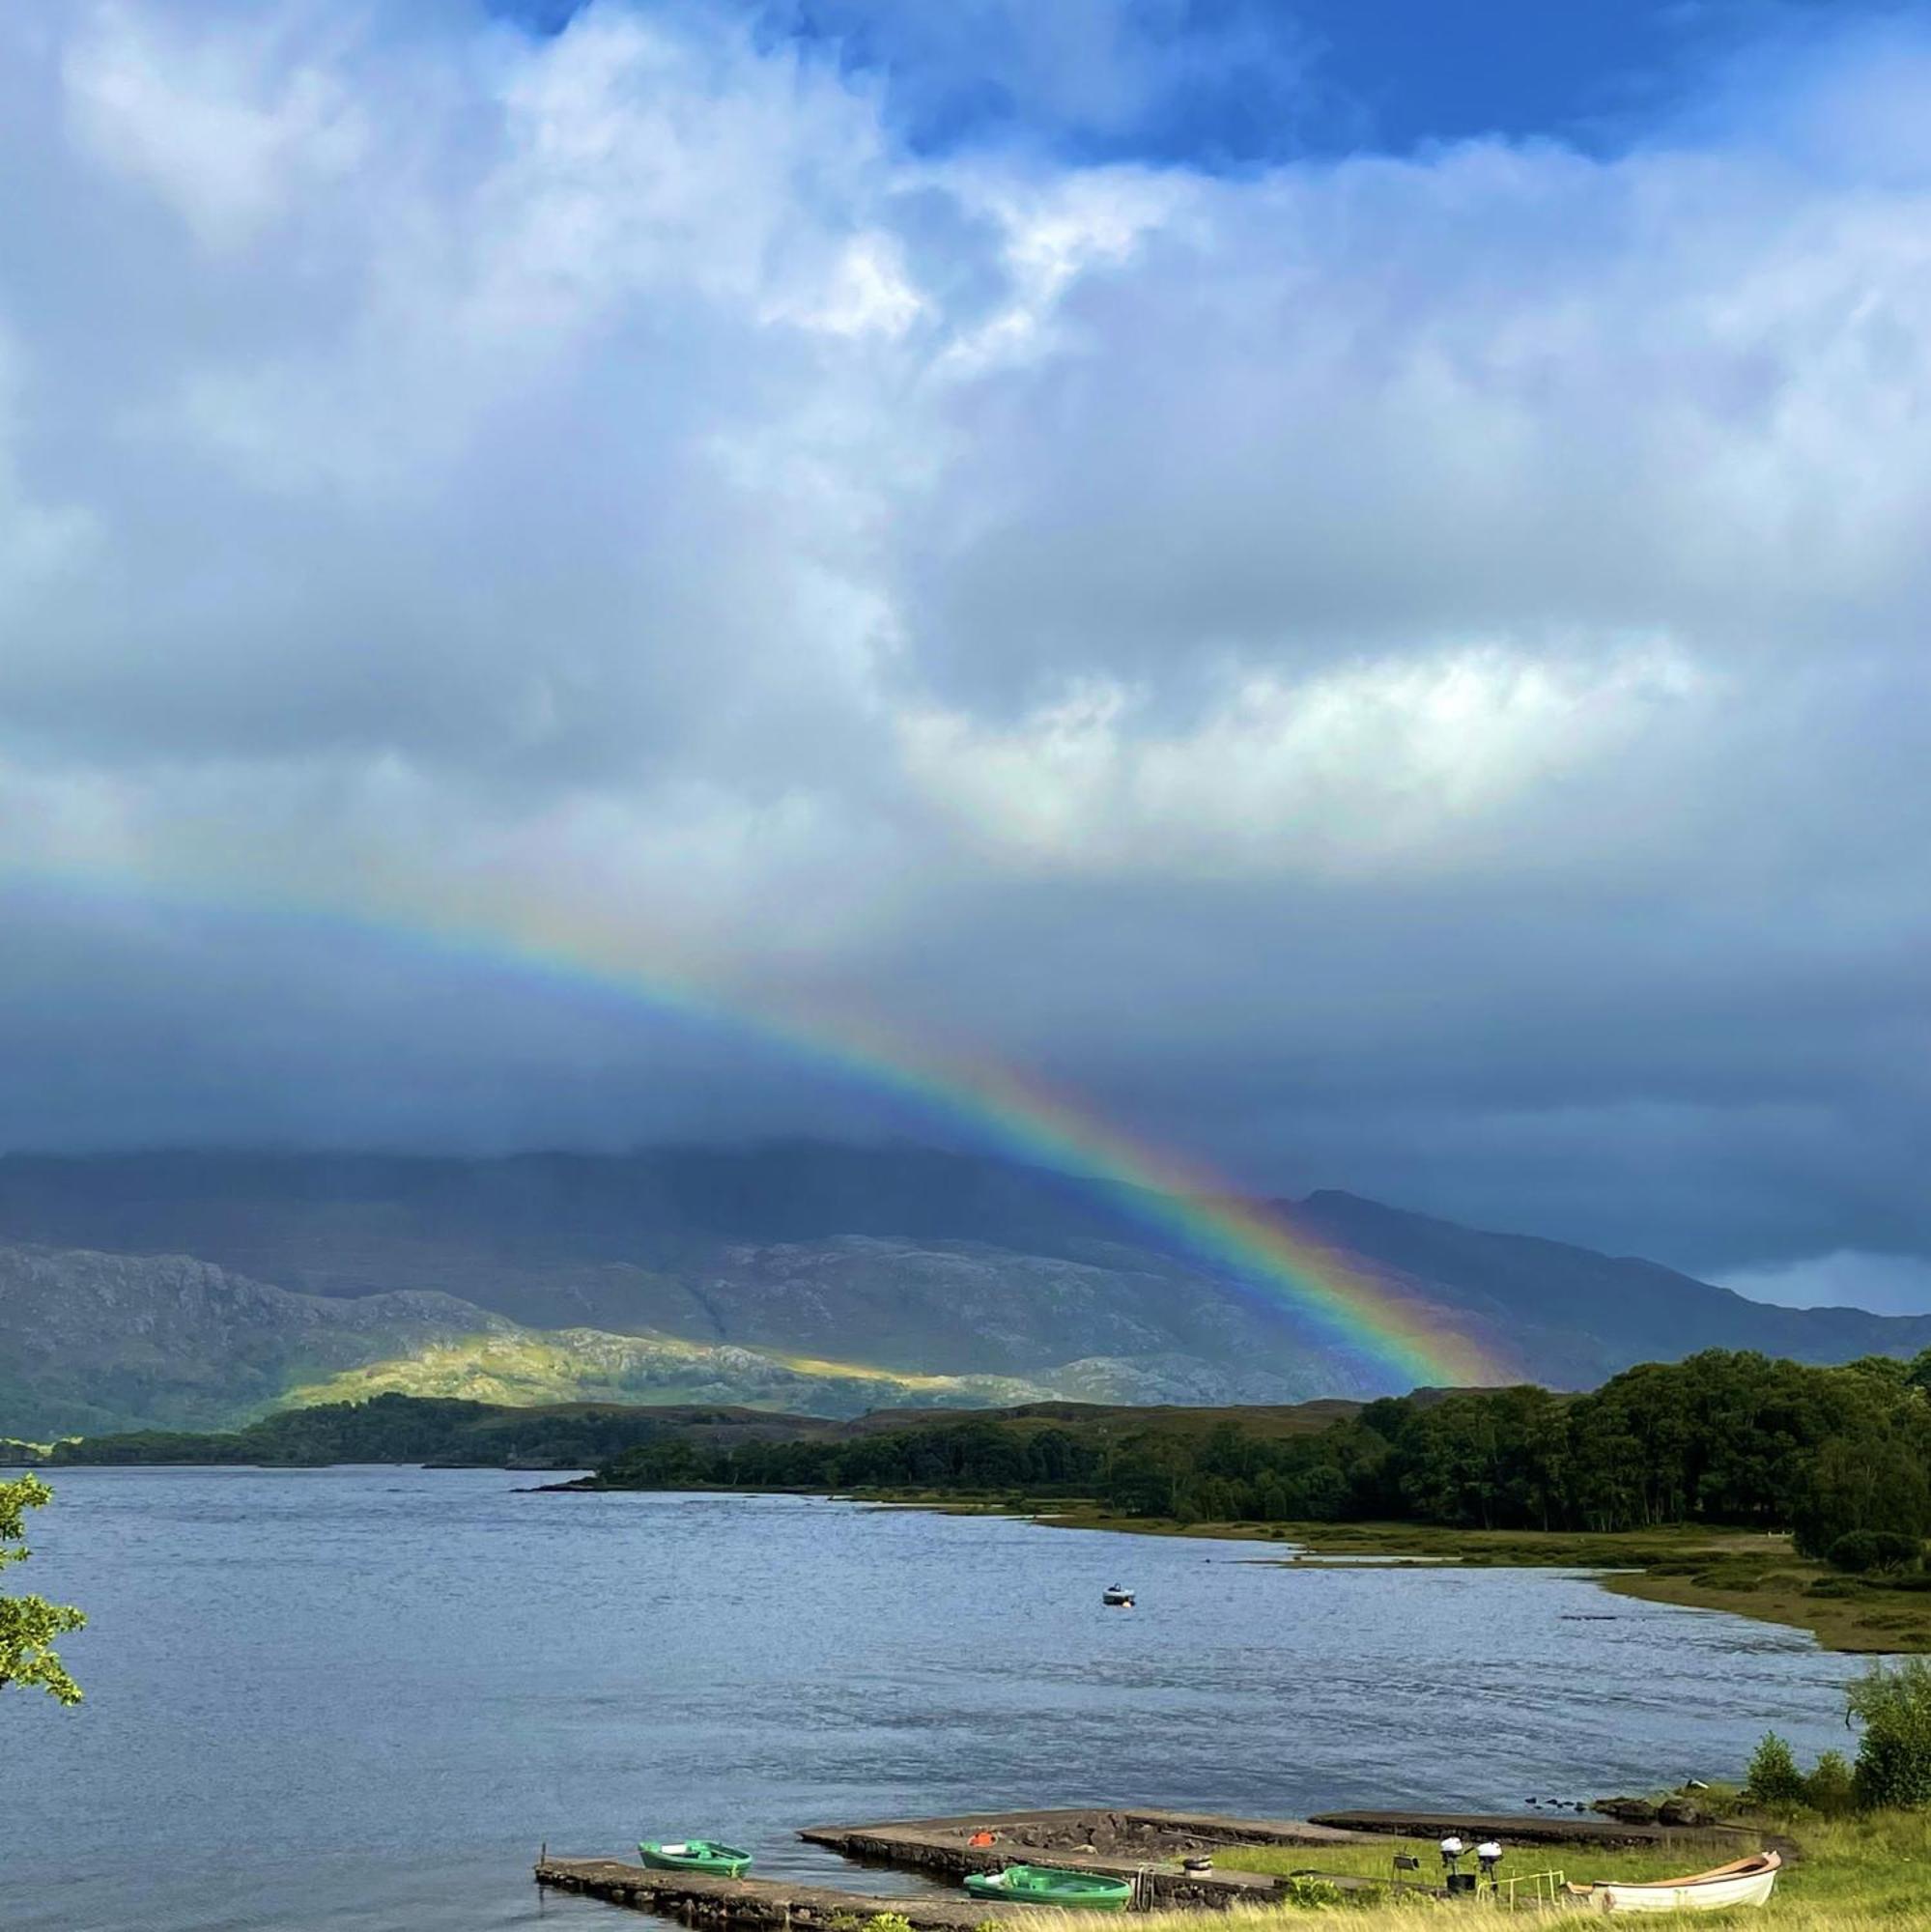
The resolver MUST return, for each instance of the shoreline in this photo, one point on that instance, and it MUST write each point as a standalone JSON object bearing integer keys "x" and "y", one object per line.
{"x": 1751, "y": 1574}
{"x": 1748, "y": 1573}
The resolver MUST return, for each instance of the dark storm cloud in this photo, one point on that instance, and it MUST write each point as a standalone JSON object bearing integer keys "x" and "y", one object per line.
{"x": 1396, "y": 674}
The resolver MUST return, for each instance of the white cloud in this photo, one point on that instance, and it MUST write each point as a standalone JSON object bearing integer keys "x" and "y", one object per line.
{"x": 1378, "y": 766}
{"x": 225, "y": 127}
{"x": 613, "y": 472}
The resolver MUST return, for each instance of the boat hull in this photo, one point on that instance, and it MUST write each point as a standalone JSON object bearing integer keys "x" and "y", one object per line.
{"x": 1747, "y": 1882}
{"x": 697, "y": 1855}
{"x": 1045, "y": 1885}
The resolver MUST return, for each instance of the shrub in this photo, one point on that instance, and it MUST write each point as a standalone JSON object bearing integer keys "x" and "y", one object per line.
{"x": 1893, "y": 1770}
{"x": 1834, "y": 1586}
{"x": 1774, "y": 1781}
{"x": 1861, "y": 1550}
{"x": 1311, "y": 1892}
{"x": 1829, "y": 1788}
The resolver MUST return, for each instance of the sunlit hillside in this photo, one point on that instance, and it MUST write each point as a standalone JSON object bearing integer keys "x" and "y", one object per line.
{"x": 588, "y": 1365}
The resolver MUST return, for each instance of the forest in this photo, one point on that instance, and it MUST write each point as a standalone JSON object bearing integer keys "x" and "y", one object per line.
{"x": 399, "y": 1428}
{"x": 1840, "y": 1456}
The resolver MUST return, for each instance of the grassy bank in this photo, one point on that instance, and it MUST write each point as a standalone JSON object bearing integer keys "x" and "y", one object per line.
{"x": 1852, "y": 1875}
{"x": 1746, "y": 1572}
{"x": 1577, "y": 1862}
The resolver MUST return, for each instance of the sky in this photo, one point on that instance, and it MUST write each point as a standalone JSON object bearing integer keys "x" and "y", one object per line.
{"x": 1346, "y": 583}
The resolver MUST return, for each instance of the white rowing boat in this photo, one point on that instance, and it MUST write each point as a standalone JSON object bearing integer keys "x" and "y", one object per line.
{"x": 1747, "y": 1882}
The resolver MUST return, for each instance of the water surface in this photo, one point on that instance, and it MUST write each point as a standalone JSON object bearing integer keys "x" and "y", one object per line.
{"x": 363, "y": 1698}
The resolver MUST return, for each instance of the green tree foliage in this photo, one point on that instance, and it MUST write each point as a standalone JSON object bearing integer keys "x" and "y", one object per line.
{"x": 408, "y": 1429}
{"x": 1861, "y": 1550}
{"x": 30, "y": 1625}
{"x": 1724, "y": 1438}
{"x": 1731, "y": 1438}
{"x": 1869, "y": 1481}
{"x": 1832, "y": 1787}
{"x": 1894, "y": 1705}
{"x": 1774, "y": 1781}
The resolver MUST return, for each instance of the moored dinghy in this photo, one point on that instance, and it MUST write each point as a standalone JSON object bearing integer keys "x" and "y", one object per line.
{"x": 694, "y": 1855}
{"x": 1047, "y": 1884}
{"x": 1745, "y": 1881}
{"x": 1117, "y": 1596}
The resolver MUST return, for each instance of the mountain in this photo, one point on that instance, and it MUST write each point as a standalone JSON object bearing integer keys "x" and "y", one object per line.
{"x": 95, "y": 1343}
{"x": 198, "y": 1288}
{"x": 98, "y": 1341}
{"x": 1578, "y": 1315}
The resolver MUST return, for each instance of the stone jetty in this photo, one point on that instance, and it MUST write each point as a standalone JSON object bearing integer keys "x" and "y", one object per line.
{"x": 1143, "y": 1845}
{"x": 699, "y": 1899}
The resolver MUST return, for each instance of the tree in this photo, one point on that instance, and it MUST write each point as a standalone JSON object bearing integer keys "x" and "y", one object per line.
{"x": 29, "y": 1625}
{"x": 1869, "y": 1481}
{"x": 1774, "y": 1781}
{"x": 1861, "y": 1550}
{"x": 1893, "y": 1770}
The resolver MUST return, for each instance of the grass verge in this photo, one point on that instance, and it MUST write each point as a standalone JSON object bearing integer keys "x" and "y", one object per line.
{"x": 1854, "y": 1875}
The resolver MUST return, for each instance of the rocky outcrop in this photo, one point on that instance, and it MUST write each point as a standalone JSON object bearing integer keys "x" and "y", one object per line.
{"x": 91, "y": 1340}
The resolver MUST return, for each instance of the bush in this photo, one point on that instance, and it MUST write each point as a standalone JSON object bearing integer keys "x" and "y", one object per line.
{"x": 1829, "y": 1788}
{"x": 1834, "y": 1586}
{"x": 1312, "y": 1891}
{"x": 1774, "y": 1781}
{"x": 1862, "y": 1550}
{"x": 1893, "y": 1770}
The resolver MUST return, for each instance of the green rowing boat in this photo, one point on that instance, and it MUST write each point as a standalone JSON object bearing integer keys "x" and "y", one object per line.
{"x": 695, "y": 1855}
{"x": 1046, "y": 1884}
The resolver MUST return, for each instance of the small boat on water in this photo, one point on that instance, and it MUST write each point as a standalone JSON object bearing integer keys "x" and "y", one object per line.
{"x": 694, "y": 1855}
{"x": 1745, "y": 1881}
{"x": 1047, "y": 1884}
{"x": 1117, "y": 1597}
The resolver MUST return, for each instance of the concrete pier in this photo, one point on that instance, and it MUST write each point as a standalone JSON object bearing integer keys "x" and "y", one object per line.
{"x": 1142, "y": 1844}
{"x": 699, "y": 1899}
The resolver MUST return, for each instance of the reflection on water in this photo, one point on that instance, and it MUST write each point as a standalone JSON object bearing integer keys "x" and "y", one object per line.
{"x": 363, "y": 1698}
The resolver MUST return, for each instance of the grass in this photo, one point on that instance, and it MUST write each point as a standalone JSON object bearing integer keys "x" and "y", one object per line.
{"x": 1579, "y": 1862}
{"x": 573, "y": 1365}
{"x": 1852, "y": 1875}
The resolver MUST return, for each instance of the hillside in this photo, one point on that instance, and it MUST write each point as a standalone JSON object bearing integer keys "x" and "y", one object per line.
{"x": 1578, "y": 1316}
{"x": 394, "y": 1428}
{"x": 93, "y": 1342}
{"x": 199, "y": 1289}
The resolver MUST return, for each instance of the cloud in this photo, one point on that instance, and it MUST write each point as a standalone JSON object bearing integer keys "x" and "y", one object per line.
{"x": 226, "y": 130}
{"x": 1890, "y": 1284}
{"x": 1397, "y": 672}
{"x": 1392, "y": 764}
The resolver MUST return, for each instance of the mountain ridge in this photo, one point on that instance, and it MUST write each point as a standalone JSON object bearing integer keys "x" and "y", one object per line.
{"x": 837, "y": 1273}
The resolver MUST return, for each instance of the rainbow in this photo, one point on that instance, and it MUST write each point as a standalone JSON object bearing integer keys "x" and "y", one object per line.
{"x": 1256, "y": 1247}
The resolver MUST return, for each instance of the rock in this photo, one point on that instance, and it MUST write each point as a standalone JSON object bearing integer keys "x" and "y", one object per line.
{"x": 1681, "y": 1811}
{"x": 1627, "y": 1810}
